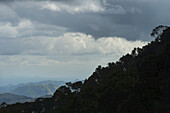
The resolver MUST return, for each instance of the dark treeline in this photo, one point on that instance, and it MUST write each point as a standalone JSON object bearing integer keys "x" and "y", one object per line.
{"x": 138, "y": 83}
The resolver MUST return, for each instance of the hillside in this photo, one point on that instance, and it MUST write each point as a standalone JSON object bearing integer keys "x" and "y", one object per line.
{"x": 138, "y": 83}
{"x": 12, "y": 98}
{"x": 35, "y": 90}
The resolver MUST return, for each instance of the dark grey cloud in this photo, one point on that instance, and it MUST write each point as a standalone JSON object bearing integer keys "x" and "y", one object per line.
{"x": 34, "y": 38}
{"x": 101, "y": 18}
{"x": 32, "y": 0}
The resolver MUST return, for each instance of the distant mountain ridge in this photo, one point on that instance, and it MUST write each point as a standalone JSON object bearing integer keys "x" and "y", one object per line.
{"x": 58, "y": 83}
{"x": 33, "y": 89}
{"x": 12, "y": 98}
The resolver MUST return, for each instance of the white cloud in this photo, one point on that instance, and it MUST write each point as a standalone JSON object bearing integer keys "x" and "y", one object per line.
{"x": 7, "y": 30}
{"x": 70, "y": 56}
{"x": 51, "y": 6}
{"x": 68, "y": 44}
{"x": 86, "y": 6}
{"x": 27, "y": 28}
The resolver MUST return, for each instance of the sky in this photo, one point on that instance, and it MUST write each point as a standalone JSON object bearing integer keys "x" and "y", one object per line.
{"x": 68, "y": 39}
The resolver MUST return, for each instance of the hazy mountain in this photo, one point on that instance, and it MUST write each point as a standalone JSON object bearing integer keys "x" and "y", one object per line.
{"x": 35, "y": 90}
{"x": 12, "y": 98}
{"x": 138, "y": 83}
{"x": 8, "y": 88}
{"x": 58, "y": 83}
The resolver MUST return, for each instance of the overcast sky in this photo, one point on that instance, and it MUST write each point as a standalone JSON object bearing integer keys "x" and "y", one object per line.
{"x": 67, "y": 39}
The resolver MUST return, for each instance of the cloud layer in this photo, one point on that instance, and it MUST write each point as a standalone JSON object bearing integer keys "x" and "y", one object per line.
{"x": 88, "y": 6}
{"x": 131, "y": 19}
{"x": 69, "y": 56}
{"x": 27, "y": 39}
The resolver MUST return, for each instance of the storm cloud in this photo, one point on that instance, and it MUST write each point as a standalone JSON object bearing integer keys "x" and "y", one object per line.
{"x": 130, "y": 19}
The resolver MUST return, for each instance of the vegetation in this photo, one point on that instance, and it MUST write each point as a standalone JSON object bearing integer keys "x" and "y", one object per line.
{"x": 138, "y": 83}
